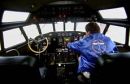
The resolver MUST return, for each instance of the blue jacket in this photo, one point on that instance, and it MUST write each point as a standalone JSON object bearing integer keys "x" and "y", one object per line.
{"x": 90, "y": 48}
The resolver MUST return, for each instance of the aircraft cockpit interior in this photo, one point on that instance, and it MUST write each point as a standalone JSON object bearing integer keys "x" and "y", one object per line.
{"x": 34, "y": 35}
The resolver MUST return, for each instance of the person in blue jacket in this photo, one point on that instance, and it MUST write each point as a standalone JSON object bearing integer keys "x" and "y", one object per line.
{"x": 93, "y": 45}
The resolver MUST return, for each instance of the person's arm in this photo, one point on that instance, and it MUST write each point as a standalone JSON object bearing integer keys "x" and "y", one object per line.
{"x": 115, "y": 49}
{"x": 76, "y": 45}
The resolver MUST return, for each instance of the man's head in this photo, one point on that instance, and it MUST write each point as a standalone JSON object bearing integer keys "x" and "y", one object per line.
{"x": 92, "y": 27}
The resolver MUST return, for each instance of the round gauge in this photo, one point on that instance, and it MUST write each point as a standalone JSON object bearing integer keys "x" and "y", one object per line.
{"x": 63, "y": 34}
{"x": 70, "y": 34}
{"x": 50, "y": 34}
{"x": 59, "y": 34}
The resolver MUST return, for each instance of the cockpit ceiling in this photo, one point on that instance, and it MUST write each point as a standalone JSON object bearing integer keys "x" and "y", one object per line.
{"x": 34, "y": 5}
{"x": 103, "y": 4}
{"x": 55, "y": 12}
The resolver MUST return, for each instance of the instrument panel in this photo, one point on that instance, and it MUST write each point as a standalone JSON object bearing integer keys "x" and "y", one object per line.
{"x": 62, "y": 38}
{"x": 57, "y": 55}
{"x": 62, "y": 12}
{"x": 58, "y": 46}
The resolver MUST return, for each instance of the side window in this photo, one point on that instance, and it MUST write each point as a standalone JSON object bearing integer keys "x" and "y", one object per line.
{"x": 116, "y": 33}
{"x": 12, "y": 37}
{"x": 129, "y": 37}
{"x": 114, "y": 13}
{"x": 31, "y": 31}
{"x": 14, "y": 16}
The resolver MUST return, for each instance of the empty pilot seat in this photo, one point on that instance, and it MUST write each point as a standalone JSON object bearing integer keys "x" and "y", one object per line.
{"x": 18, "y": 69}
{"x": 112, "y": 68}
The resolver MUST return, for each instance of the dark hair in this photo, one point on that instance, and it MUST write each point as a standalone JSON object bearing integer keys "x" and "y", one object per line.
{"x": 92, "y": 27}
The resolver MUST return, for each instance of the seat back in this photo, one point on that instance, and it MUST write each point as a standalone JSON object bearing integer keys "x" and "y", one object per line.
{"x": 112, "y": 68}
{"x": 18, "y": 68}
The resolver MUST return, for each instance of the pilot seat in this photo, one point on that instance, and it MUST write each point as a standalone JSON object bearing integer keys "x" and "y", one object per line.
{"x": 22, "y": 69}
{"x": 112, "y": 68}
